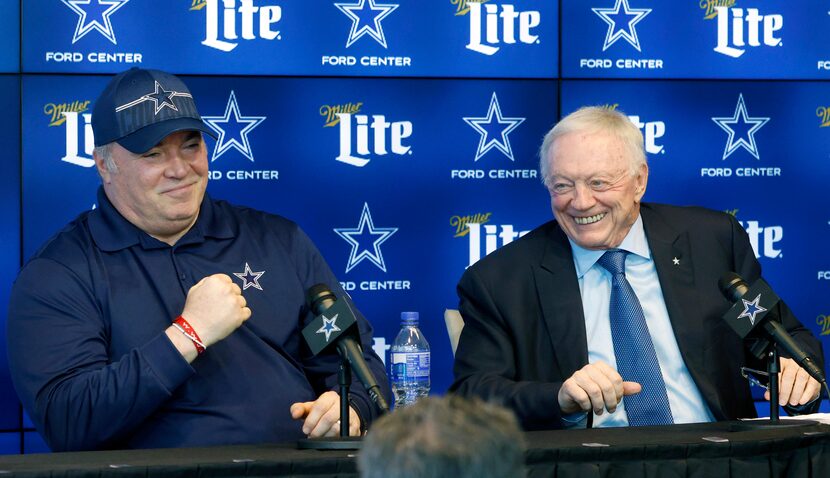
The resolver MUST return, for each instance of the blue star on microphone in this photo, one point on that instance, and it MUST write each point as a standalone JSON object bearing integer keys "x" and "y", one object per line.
{"x": 752, "y": 309}
{"x": 329, "y": 326}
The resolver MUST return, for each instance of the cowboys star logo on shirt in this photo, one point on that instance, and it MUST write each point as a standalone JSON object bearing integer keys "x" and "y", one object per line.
{"x": 743, "y": 126}
{"x": 621, "y": 19}
{"x": 249, "y": 277}
{"x": 494, "y": 128}
{"x": 366, "y": 16}
{"x": 365, "y": 240}
{"x": 329, "y": 326}
{"x": 232, "y": 129}
{"x": 752, "y": 309}
{"x": 94, "y": 15}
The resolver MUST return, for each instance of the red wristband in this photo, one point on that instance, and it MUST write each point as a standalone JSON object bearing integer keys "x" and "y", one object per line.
{"x": 185, "y": 328}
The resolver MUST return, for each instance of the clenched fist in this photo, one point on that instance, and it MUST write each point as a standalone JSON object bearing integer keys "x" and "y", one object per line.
{"x": 214, "y": 308}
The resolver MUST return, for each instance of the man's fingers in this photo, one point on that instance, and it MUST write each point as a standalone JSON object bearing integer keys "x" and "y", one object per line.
{"x": 786, "y": 380}
{"x": 799, "y": 387}
{"x": 630, "y": 388}
{"x": 299, "y": 410}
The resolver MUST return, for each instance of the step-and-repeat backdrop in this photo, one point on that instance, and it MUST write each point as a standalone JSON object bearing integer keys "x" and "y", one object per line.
{"x": 402, "y": 134}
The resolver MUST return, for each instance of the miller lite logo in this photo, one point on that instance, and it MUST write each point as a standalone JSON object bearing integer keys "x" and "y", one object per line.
{"x": 823, "y": 113}
{"x": 460, "y": 222}
{"x": 491, "y": 25}
{"x": 364, "y": 136}
{"x": 330, "y": 112}
{"x": 55, "y": 111}
{"x": 652, "y": 130}
{"x": 76, "y": 135}
{"x": 239, "y": 19}
{"x": 708, "y": 7}
{"x": 493, "y": 235}
{"x": 764, "y": 239}
{"x": 739, "y": 27}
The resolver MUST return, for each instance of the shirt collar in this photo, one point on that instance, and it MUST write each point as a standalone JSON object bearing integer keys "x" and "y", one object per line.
{"x": 634, "y": 242}
{"x": 112, "y": 232}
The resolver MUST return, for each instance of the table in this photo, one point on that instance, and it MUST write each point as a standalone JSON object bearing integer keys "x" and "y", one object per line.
{"x": 699, "y": 450}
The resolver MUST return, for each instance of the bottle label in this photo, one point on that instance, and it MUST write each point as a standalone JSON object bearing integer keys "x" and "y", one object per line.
{"x": 410, "y": 366}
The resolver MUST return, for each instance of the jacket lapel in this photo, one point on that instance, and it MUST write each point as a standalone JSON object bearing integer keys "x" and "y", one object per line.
{"x": 671, "y": 253}
{"x": 561, "y": 303}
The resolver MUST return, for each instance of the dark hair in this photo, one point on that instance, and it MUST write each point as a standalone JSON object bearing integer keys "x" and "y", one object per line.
{"x": 444, "y": 436}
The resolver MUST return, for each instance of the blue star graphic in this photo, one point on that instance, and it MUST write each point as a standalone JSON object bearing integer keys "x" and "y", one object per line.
{"x": 492, "y": 127}
{"x": 366, "y": 13}
{"x": 100, "y": 12}
{"x": 234, "y": 133}
{"x": 628, "y": 17}
{"x": 364, "y": 233}
{"x": 249, "y": 277}
{"x": 751, "y": 309}
{"x": 329, "y": 326}
{"x": 740, "y": 119}
{"x": 160, "y": 98}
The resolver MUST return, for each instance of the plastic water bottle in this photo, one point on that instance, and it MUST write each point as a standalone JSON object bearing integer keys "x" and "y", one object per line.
{"x": 410, "y": 362}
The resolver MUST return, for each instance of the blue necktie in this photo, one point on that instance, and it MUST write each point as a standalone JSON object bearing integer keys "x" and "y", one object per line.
{"x": 636, "y": 359}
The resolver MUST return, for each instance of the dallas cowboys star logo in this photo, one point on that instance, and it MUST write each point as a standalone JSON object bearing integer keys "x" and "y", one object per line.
{"x": 329, "y": 326}
{"x": 233, "y": 129}
{"x": 492, "y": 127}
{"x": 99, "y": 11}
{"x": 161, "y": 98}
{"x": 369, "y": 14}
{"x": 628, "y": 17}
{"x": 249, "y": 277}
{"x": 366, "y": 233}
{"x": 751, "y": 309}
{"x": 739, "y": 122}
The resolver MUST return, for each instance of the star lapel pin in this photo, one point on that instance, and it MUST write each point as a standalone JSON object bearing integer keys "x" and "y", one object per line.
{"x": 676, "y": 261}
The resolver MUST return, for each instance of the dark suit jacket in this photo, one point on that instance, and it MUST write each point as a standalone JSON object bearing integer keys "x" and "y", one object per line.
{"x": 524, "y": 330}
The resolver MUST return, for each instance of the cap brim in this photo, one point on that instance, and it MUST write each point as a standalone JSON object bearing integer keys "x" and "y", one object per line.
{"x": 148, "y": 137}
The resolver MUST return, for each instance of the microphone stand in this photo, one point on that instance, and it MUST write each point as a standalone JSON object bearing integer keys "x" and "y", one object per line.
{"x": 344, "y": 441}
{"x": 773, "y": 369}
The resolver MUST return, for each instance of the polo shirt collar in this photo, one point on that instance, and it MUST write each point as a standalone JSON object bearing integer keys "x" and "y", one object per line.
{"x": 112, "y": 232}
{"x": 634, "y": 242}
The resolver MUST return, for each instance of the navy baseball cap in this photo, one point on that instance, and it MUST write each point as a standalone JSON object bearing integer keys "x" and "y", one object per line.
{"x": 139, "y": 108}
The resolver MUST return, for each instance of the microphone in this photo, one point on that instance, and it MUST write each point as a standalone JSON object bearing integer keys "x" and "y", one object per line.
{"x": 753, "y": 310}
{"x": 335, "y": 323}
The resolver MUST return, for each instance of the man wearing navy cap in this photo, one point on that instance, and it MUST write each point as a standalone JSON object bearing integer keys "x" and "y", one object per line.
{"x": 165, "y": 318}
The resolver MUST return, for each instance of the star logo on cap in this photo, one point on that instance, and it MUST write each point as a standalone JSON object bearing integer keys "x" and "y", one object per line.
{"x": 249, "y": 277}
{"x": 329, "y": 326}
{"x": 628, "y": 17}
{"x": 94, "y": 15}
{"x": 161, "y": 98}
{"x": 742, "y": 123}
{"x": 494, "y": 128}
{"x": 365, "y": 240}
{"x": 233, "y": 130}
{"x": 369, "y": 14}
{"x": 752, "y": 309}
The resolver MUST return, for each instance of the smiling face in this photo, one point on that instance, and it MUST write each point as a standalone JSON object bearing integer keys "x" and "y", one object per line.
{"x": 161, "y": 190}
{"x": 594, "y": 195}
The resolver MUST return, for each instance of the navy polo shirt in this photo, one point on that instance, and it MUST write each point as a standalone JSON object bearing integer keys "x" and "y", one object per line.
{"x": 94, "y": 368}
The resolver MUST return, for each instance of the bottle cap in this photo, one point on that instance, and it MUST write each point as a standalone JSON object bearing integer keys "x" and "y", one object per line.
{"x": 409, "y": 318}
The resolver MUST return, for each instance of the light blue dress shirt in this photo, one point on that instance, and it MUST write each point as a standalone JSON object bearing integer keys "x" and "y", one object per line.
{"x": 687, "y": 405}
